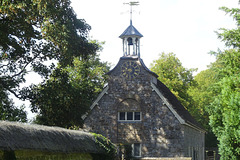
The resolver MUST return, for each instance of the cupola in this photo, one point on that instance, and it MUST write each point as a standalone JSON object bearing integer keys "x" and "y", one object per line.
{"x": 131, "y": 41}
{"x": 131, "y": 38}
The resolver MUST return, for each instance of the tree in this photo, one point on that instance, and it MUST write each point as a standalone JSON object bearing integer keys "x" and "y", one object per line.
{"x": 10, "y": 112}
{"x": 218, "y": 91}
{"x": 202, "y": 95}
{"x": 33, "y": 32}
{"x": 225, "y": 108}
{"x": 68, "y": 94}
{"x": 177, "y": 78}
{"x": 231, "y": 36}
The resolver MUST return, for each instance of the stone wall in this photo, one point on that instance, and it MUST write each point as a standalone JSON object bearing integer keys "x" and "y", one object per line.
{"x": 159, "y": 132}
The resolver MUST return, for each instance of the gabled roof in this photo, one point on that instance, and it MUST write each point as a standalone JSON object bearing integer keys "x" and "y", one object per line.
{"x": 175, "y": 106}
{"x": 164, "y": 93}
{"x": 131, "y": 31}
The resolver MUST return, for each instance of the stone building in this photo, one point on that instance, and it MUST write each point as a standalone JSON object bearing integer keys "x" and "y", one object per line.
{"x": 136, "y": 109}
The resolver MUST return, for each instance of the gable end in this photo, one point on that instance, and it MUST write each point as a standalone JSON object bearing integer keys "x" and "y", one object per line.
{"x": 167, "y": 104}
{"x": 179, "y": 111}
{"x": 96, "y": 101}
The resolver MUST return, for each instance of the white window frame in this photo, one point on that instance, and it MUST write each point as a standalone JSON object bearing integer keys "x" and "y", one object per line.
{"x": 140, "y": 150}
{"x": 133, "y": 120}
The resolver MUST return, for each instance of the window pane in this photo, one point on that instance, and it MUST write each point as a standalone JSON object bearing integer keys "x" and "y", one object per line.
{"x": 122, "y": 116}
{"x": 137, "y": 116}
{"x": 136, "y": 149}
{"x": 129, "y": 115}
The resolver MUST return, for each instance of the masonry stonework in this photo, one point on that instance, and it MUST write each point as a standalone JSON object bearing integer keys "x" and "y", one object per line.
{"x": 160, "y": 132}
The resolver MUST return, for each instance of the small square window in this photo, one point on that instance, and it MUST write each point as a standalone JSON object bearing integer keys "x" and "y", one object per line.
{"x": 122, "y": 116}
{"x": 129, "y": 115}
{"x": 137, "y": 116}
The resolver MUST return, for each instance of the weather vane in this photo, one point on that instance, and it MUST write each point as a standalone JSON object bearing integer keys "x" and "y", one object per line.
{"x": 131, "y": 4}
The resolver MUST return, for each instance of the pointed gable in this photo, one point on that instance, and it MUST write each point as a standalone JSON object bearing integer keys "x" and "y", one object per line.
{"x": 179, "y": 110}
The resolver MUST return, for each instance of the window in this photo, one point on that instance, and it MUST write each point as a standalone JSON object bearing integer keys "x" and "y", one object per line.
{"x": 132, "y": 150}
{"x": 137, "y": 116}
{"x": 122, "y": 116}
{"x": 136, "y": 149}
{"x": 129, "y": 116}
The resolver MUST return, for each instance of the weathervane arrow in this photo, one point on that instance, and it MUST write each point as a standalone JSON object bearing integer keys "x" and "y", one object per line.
{"x": 133, "y": 3}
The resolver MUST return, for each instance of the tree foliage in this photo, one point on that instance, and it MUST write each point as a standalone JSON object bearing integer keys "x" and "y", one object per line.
{"x": 8, "y": 111}
{"x": 35, "y": 31}
{"x": 217, "y": 92}
{"x": 230, "y": 36}
{"x": 177, "y": 78}
{"x": 202, "y": 95}
{"x": 68, "y": 94}
{"x": 225, "y": 108}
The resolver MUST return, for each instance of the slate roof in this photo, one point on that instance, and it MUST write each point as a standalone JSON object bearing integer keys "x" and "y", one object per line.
{"x": 177, "y": 106}
{"x": 131, "y": 31}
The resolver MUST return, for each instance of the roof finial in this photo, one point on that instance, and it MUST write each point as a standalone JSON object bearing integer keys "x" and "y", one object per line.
{"x": 131, "y": 4}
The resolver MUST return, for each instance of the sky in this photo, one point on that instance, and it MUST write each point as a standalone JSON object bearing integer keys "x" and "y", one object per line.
{"x": 184, "y": 27}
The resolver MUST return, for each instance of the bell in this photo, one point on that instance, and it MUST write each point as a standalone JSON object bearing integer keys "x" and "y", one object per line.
{"x": 130, "y": 41}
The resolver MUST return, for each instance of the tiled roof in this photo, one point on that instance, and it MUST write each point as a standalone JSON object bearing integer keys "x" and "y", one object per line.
{"x": 177, "y": 106}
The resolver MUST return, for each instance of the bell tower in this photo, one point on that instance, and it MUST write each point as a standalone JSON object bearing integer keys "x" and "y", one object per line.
{"x": 131, "y": 38}
{"x": 137, "y": 110}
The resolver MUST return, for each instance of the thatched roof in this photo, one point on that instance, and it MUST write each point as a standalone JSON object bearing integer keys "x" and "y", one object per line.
{"x": 19, "y": 136}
